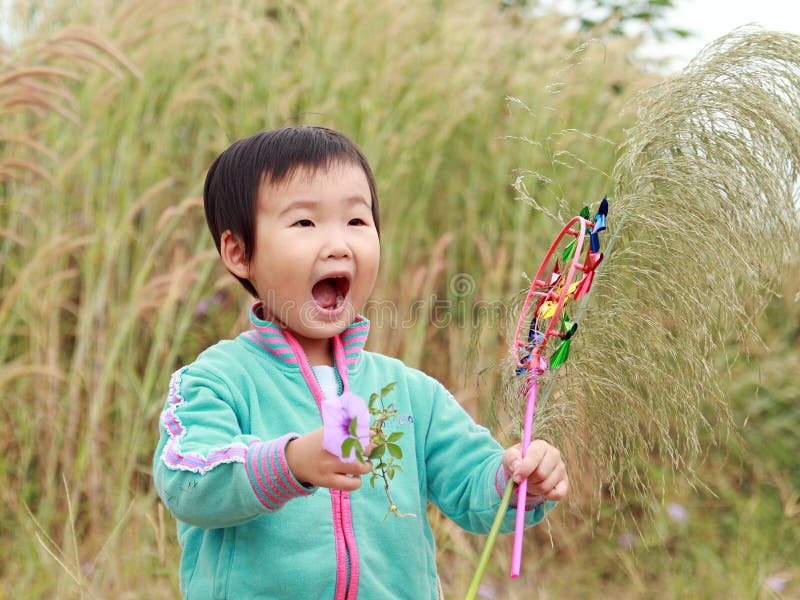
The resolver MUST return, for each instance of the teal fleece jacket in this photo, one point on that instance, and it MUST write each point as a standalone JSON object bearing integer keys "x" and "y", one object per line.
{"x": 249, "y": 529}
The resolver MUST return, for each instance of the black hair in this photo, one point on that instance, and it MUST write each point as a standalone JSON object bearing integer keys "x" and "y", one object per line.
{"x": 230, "y": 195}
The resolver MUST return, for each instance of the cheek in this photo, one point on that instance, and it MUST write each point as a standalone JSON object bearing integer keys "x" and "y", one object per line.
{"x": 374, "y": 259}
{"x": 276, "y": 271}
{"x": 375, "y": 248}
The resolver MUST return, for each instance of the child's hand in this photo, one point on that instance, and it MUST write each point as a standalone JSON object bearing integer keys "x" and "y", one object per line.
{"x": 310, "y": 463}
{"x": 543, "y": 467}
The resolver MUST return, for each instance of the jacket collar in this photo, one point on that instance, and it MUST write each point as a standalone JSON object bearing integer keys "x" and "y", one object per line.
{"x": 270, "y": 337}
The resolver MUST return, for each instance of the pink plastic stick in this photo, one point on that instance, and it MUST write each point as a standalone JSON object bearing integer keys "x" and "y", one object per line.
{"x": 530, "y": 412}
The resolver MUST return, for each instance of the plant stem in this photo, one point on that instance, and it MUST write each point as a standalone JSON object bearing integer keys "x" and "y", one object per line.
{"x": 490, "y": 542}
{"x": 392, "y": 506}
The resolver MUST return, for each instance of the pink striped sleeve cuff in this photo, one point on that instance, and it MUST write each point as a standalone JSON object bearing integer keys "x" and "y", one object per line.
{"x": 501, "y": 481}
{"x": 270, "y": 477}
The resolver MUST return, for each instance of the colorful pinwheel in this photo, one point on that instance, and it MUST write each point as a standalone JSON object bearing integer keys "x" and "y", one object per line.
{"x": 547, "y": 341}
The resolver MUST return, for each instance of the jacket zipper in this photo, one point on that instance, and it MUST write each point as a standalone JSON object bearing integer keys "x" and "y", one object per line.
{"x": 343, "y": 495}
{"x": 351, "y": 548}
{"x": 344, "y": 537}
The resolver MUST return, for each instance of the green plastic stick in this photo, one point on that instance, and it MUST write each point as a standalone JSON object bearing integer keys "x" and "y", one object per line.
{"x": 472, "y": 592}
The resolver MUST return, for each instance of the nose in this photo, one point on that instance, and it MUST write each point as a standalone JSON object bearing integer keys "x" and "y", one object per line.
{"x": 336, "y": 245}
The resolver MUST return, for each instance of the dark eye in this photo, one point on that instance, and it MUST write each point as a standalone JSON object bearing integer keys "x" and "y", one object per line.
{"x": 356, "y": 221}
{"x": 304, "y": 223}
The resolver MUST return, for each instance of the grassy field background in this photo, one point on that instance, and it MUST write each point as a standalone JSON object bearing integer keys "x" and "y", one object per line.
{"x": 109, "y": 115}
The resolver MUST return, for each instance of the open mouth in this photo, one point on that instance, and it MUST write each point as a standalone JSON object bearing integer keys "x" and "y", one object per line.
{"x": 329, "y": 293}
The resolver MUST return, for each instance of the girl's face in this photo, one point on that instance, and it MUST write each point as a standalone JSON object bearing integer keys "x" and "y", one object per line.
{"x": 316, "y": 253}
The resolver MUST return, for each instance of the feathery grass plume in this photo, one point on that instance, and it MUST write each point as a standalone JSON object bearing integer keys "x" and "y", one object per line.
{"x": 704, "y": 220}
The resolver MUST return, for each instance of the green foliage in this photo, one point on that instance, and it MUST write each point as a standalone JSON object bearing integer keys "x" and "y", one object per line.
{"x": 619, "y": 17}
{"x": 385, "y": 469}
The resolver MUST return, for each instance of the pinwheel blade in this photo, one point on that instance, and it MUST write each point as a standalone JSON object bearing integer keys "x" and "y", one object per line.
{"x": 568, "y": 328}
{"x": 603, "y": 209}
{"x": 569, "y": 251}
{"x": 584, "y": 285}
{"x": 560, "y": 355}
{"x": 546, "y": 310}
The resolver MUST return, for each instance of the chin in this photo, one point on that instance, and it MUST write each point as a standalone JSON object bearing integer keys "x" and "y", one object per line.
{"x": 328, "y": 325}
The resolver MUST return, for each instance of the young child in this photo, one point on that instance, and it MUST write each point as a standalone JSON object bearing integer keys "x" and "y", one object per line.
{"x": 263, "y": 511}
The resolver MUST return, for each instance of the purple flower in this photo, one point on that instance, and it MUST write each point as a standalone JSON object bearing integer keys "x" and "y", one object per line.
{"x": 205, "y": 304}
{"x": 202, "y": 308}
{"x": 776, "y": 583}
{"x": 627, "y": 539}
{"x": 337, "y": 415}
{"x": 677, "y": 512}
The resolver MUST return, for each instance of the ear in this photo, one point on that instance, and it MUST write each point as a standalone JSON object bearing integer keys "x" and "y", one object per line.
{"x": 231, "y": 249}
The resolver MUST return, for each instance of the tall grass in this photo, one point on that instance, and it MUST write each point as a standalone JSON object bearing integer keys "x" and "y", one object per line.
{"x": 111, "y": 113}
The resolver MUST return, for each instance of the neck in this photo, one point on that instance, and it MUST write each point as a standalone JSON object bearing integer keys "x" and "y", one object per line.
{"x": 283, "y": 344}
{"x": 318, "y": 352}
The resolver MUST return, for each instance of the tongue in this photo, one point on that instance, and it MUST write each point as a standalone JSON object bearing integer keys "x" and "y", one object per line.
{"x": 324, "y": 293}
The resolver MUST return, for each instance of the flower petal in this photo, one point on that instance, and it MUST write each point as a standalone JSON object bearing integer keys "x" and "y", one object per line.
{"x": 336, "y": 417}
{"x": 355, "y": 407}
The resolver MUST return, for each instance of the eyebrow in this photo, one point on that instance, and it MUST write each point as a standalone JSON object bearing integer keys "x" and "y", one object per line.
{"x": 311, "y": 204}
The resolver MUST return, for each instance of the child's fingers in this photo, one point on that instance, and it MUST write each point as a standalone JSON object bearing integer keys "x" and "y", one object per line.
{"x": 550, "y": 482}
{"x": 542, "y": 466}
{"x": 540, "y": 459}
{"x": 544, "y": 469}
{"x": 559, "y": 492}
{"x": 349, "y": 474}
{"x": 332, "y": 464}
{"x": 358, "y": 468}
{"x": 344, "y": 482}
{"x": 340, "y": 475}
{"x": 512, "y": 458}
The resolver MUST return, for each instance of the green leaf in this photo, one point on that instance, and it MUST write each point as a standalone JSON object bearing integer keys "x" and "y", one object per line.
{"x": 353, "y": 425}
{"x": 387, "y": 388}
{"x": 391, "y": 474}
{"x": 585, "y": 212}
{"x": 373, "y": 479}
{"x": 395, "y": 450}
{"x": 372, "y": 398}
{"x": 395, "y": 436}
{"x": 378, "y": 451}
{"x": 347, "y": 447}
